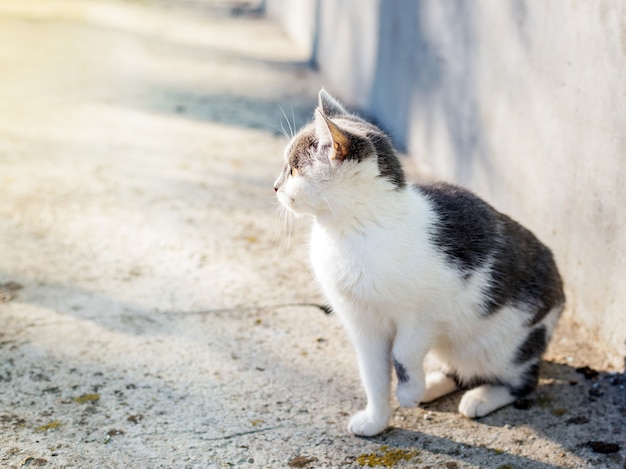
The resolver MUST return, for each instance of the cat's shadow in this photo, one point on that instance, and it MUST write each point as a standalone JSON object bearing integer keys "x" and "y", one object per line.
{"x": 571, "y": 407}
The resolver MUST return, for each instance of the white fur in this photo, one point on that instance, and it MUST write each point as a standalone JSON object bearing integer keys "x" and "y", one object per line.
{"x": 438, "y": 384}
{"x": 397, "y": 296}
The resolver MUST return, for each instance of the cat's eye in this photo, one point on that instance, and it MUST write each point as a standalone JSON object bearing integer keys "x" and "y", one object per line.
{"x": 293, "y": 172}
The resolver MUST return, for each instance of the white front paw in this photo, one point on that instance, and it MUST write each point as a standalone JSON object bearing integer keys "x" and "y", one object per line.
{"x": 409, "y": 394}
{"x": 363, "y": 423}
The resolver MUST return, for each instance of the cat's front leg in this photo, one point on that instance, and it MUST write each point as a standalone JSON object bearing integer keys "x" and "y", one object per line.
{"x": 409, "y": 350}
{"x": 373, "y": 351}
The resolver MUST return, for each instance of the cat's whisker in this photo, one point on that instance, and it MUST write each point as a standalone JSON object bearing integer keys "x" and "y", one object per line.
{"x": 288, "y": 228}
{"x": 284, "y": 229}
{"x": 282, "y": 130}
{"x": 279, "y": 226}
{"x": 287, "y": 134}
{"x": 286, "y": 240}
{"x": 291, "y": 129}
{"x": 293, "y": 117}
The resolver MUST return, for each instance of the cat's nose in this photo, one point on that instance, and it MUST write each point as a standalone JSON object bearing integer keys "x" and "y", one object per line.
{"x": 275, "y": 188}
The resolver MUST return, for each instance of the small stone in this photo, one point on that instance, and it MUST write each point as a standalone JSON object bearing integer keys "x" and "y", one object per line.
{"x": 603, "y": 447}
{"x": 523, "y": 404}
{"x": 595, "y": 392}
{"x": 135, "y": 418}
{"x": 588, "y": 373}
{"x": 114, "y": 432}
{"x": 577, "y": 420}
{"x": 30, "y": 461}
{"x": 301, "y": 461}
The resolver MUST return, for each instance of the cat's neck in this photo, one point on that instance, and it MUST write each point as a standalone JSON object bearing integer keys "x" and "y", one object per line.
{"x": 373, "y": 209}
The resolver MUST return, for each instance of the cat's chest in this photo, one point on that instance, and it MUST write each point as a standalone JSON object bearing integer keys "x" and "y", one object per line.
{"x": 342, "y": 262}
{"x": 366, "y": 265}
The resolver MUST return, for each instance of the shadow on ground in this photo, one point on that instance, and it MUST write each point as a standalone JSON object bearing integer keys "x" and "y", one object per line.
{"x": 581, "y": 409}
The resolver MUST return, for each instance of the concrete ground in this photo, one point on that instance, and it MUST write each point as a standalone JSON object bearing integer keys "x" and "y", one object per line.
{"x": 152, "y": 312}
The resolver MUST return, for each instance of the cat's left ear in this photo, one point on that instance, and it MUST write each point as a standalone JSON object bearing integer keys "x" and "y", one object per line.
{"x": 330, "y": 106}
{"x": 329, "y": 134}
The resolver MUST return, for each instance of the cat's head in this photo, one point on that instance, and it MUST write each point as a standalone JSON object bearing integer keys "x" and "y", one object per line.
{"x": 334, "y": 161}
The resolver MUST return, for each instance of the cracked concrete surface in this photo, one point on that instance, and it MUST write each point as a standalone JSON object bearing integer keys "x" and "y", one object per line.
{"x": 153, "y": 314}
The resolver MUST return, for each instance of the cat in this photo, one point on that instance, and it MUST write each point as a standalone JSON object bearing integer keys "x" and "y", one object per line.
{"x": 427, "y": 279}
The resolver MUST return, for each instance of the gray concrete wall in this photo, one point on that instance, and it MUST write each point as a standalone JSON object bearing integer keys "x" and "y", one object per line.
{"x": 523, "y": 102}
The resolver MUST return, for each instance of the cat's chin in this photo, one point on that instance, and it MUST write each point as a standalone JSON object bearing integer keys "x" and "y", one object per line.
{"x": 294, "y": 213}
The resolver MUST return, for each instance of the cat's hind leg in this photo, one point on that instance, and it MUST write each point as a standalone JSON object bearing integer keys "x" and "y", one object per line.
{"x": 484, "y": 399}
{"x": 438, "y": 384}
{"x": 409, "y": 349}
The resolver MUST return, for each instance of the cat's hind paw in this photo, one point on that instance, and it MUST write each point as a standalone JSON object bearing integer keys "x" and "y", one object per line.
{"x": 363, "y": 423}
{"x": 438, "y": 384}
{"x": 483, "y": 400}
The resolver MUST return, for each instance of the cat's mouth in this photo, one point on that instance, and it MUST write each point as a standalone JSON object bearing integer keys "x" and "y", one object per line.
{"x": 292, "y": 206}
{"x": 285, "y": 200}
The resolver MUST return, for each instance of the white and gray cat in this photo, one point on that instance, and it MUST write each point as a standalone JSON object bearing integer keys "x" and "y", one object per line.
{"x": 428, "y": 278}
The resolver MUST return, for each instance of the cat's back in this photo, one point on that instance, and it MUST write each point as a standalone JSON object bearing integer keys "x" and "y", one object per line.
{"x": 464, "y": 227}
{"x": 474, "y": 237}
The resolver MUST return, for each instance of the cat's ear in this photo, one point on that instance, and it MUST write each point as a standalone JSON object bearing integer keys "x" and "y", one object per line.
{"x": 330, "y": 135}
{"x": 330, "y": 106}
